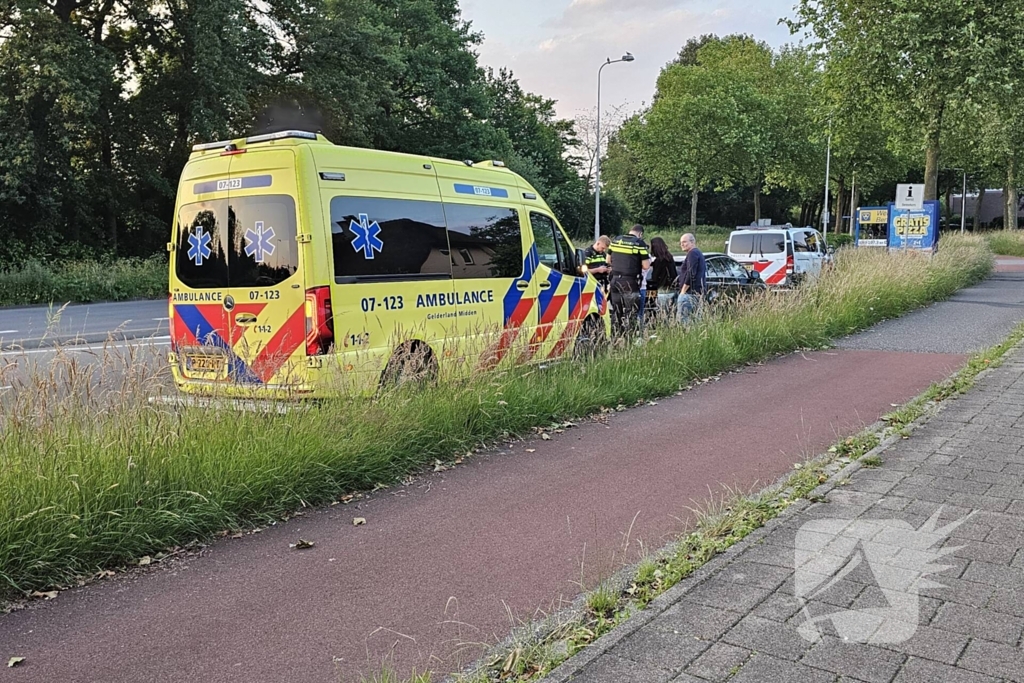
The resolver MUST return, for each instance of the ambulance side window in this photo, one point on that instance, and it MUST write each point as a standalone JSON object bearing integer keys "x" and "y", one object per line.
{"x": 544, "y": 238}
{"x": 486, "y": 241}
{"x": 201, "y": 250}
{"x": 555, "y": 252}
{"x": 389, "y": 239}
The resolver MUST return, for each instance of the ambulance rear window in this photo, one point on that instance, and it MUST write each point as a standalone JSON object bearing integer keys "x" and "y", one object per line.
{"x": 241, "y": 242}
{"x": 757, "y": 243}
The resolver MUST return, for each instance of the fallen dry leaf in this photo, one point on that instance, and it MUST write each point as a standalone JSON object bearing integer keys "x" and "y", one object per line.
{"x": 147, "y": 560}
{"x": 104, "y": 574}
{"x": 45, "y": 595}
{"x": 238, "y": 534}
{"x": 14, "y": 661}
{"x": 302, "y": 544}
{"x": 358, "y": 521}
{"x": 545, "y": 437}
{"x": 531, "y": 450}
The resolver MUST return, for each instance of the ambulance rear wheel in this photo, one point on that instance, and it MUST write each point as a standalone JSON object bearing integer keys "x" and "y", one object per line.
{"x": 411, "y": 363}
{"x": 591, "y": 339}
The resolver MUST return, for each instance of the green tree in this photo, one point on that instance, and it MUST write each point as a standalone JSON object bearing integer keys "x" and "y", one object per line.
{"x": 918, "y": 55}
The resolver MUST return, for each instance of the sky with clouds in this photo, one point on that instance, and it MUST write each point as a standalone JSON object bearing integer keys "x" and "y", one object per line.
{"x": 555, "y": 47}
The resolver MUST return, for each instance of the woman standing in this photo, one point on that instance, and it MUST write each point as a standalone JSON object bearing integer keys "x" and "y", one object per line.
{"x": 661, "y": 292}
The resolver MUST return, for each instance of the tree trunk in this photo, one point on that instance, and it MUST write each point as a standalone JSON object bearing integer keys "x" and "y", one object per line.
{"x": 978, "y": 206}
{"x": 840, "y": 203}
{"x": 110, "y": 210}
{"x": 757, "y": 202}
{"x": 931, "y": 160}
{"x": 693, "y": 207}
{"x": 1010, "y": 196}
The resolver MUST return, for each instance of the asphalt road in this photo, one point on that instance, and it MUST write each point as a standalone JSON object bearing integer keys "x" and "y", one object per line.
{"x": 456, "y": 558}
{"x": 972, "y": 320}
{"x": 35, "y": 327}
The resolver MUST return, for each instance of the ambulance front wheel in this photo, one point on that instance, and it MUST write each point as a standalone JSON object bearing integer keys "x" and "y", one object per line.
{"x": 412, "y": 362}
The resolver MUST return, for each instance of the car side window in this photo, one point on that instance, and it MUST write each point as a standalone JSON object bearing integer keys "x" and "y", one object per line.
{"x": 735, "y": 270}
{"x": 800, "y": 242}
{"x": 715, "y": 268}
{"x": 813, "y": 242}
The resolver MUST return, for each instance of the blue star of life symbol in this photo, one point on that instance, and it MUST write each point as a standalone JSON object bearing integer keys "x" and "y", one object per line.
{"x": 367, "y": 236}
{"x": 259, "y": 242}
{"x": 199, "y": 246}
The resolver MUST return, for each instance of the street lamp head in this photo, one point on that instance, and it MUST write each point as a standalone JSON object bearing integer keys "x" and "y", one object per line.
{"x": 628, "y": 57}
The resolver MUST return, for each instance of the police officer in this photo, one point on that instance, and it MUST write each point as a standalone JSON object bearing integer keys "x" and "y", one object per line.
{"x": 595, "y": 261}
{"x": 629, "y": 258}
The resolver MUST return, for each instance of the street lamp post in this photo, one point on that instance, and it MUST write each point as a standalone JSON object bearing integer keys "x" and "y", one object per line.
{"x": 828, "y": 174}
{"x": 963, "y": 206}
{"x": 597, "y": 157}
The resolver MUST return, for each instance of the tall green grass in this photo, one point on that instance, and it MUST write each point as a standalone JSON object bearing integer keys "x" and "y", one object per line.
{"x": 91, "y": 480}
{"x": 83, "y": 281}
{"x": 1006, "y": 242}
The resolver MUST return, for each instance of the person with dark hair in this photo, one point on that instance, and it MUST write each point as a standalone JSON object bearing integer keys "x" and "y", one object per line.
{"x": 661, "y": 293}
{"x": 629, "y": 258}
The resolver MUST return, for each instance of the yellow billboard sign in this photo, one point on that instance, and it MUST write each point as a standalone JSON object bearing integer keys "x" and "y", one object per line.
{"x": 873, "y": 216}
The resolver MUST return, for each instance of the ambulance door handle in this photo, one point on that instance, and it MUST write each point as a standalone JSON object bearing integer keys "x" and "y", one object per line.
{"x": 522, "y": 284}
{"x": 545, "y": 285}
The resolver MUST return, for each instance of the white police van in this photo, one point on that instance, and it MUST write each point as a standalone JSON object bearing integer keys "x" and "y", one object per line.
{"x": 781, "y": 254}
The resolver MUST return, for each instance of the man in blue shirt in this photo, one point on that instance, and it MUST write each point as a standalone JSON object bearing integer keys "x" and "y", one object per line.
{"x": 692, "y": 278}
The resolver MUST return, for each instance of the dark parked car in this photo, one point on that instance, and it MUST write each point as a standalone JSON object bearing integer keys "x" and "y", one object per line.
{"x": 727, "y": 279}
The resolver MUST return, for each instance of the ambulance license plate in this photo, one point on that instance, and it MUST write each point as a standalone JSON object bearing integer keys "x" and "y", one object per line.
{"x": 207, "y": 364}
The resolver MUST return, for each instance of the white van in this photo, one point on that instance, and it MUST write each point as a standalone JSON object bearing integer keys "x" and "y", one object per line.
{"x": 781, "y": 254}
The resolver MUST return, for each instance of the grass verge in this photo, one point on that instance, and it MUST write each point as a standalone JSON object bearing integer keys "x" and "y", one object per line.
{"x": 83, "y": 281}
{"x": 1006, "y": 242}
{"x": 96, "y": 479}
{"x": 719, "y": 527}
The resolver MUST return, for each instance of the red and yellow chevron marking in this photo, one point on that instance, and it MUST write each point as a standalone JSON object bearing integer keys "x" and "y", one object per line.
{"x": 209, "y": 325}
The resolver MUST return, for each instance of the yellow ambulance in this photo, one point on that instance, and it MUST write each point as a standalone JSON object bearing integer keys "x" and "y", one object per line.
{"x": 303, "y": 268}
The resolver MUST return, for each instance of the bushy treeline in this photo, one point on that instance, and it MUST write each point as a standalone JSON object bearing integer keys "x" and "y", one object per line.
{"x": 102, "y": 100}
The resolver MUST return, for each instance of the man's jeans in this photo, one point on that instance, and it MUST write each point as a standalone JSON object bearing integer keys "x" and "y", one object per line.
{"x": 686, "y": 304}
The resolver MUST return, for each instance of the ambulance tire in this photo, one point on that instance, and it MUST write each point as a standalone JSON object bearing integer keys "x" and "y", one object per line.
{"x": 591, "y": 339}
{"x": 412, "y": 363}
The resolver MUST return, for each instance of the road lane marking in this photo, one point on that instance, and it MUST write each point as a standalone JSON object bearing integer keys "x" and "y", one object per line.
{"x": 7, "y": 331}
{"x": 78, "y": 348}
{"x": 161, "y": 319}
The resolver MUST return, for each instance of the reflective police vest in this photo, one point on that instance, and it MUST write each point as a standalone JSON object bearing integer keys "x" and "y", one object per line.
{"x": 628, "y": 254}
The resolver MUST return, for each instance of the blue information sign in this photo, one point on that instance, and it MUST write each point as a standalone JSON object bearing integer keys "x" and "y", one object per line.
{"x": 910, "y": 229}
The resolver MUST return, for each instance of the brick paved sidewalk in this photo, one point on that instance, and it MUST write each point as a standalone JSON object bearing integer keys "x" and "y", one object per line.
{"x": 856, "y": 565}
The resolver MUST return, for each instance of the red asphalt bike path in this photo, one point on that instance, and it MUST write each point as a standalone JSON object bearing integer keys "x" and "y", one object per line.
{"x": 454, "y": 559}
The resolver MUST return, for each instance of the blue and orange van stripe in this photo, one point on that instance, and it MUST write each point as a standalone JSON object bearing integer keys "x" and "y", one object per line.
{"x": 517, "y": 309}
{"x": 579, "y": 307}
{"x": 203, "y": 332}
